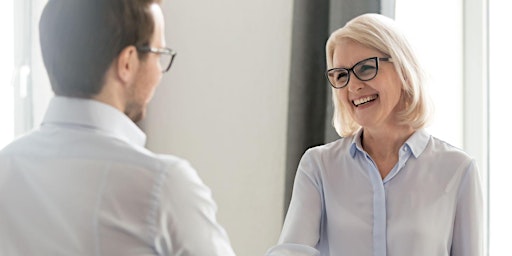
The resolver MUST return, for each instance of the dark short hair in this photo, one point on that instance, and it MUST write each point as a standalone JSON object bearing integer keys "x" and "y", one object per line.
{"x": 80, "y": 39}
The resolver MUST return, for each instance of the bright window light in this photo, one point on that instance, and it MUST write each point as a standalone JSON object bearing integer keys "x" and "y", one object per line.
{"x": 6, "y": 74}
{"x": 500, "y": 141}
{"x": 438, "y": 44}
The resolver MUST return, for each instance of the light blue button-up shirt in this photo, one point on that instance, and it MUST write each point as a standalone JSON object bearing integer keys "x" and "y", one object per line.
{"x": 83, "y": 184}
{"x": 429, "y": 204}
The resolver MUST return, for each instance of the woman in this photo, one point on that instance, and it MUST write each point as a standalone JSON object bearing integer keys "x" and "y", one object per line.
{"x": 386, "y": 187}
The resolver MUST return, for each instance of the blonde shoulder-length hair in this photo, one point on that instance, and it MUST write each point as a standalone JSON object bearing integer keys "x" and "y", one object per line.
{"x": 381, "y": 33}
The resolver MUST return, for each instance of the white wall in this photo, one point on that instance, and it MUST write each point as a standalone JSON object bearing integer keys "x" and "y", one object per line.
{"x": 223, "y": 106}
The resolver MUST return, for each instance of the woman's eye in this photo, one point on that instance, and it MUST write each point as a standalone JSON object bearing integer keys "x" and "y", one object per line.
{"x": 341, "y": 76}
{"x": 365, "y": 69}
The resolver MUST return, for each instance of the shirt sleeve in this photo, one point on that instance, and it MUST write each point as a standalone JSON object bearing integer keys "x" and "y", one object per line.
{"x": 468, "y": 225}
{"x": 187, "y": 218}
{"x": 301, "y": 229}
{"x": 289, "y": 249}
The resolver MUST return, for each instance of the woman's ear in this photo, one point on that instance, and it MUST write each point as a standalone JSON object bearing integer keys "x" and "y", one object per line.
{"x": 127, "y": 64}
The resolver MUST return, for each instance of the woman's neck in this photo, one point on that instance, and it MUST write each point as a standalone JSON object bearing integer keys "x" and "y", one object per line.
{"x": 383, "y": 145}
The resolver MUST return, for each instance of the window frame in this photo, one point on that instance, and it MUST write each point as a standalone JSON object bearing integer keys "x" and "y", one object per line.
{"x": 476, "y": 94}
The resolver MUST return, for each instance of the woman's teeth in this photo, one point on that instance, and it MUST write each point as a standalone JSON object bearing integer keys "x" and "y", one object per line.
{"x": 364, "y": 100}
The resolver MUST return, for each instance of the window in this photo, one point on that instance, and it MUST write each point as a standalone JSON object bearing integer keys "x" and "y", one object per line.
{"x": 438, "y": 44}
{"x": 6, "y": 74}
{"x": 499, "y": 127}
{"x": 20, "y": 66}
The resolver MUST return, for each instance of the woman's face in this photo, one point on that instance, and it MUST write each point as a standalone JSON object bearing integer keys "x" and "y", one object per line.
{"x": 374, "y": 103}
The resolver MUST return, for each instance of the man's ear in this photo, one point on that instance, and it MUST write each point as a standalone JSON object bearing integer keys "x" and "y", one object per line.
{"x": 127, "y": 64}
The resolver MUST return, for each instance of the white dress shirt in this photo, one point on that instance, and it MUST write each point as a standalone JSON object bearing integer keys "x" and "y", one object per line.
{"x": 430, "y": 204}
{"x": 83, "y": 184}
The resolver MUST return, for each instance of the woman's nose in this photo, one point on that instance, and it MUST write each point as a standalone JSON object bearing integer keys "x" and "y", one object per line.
{"x": 355, "y": 84}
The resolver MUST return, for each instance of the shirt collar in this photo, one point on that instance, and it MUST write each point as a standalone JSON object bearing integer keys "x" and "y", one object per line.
{"x": 356, "y": 143}
{"x": 416, "y": 143}
{"x": 93, "y": 114}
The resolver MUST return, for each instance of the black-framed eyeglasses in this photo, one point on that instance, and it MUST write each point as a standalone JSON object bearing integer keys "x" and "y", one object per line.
{"x": 364, "y": 70}
{"x": 166, "y": 56}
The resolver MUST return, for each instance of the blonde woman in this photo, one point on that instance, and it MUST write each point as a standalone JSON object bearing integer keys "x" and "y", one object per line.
{"x": 386, "y": 187}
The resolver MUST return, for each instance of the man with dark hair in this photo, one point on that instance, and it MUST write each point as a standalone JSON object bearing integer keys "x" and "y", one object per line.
{"x": 83, "y": 183}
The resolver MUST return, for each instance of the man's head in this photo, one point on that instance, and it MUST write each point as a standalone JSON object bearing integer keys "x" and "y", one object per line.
{"x": 82, "y": 39}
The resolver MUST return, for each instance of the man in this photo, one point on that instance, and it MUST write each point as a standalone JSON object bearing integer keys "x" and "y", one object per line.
{"x": 83, "y": 184}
